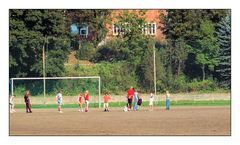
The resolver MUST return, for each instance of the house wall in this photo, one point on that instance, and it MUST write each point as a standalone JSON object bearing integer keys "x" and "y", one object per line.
{"x": 150, "y": 16}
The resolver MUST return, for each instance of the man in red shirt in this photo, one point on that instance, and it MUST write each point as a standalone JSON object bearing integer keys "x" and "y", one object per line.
{"x": 130, "y": 97}
{"x": 86, "y": 97}
{"x": 106, "y": 98}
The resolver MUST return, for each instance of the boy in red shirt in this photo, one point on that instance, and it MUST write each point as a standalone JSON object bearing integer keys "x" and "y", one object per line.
{"x": 106, "y": 98}
{"x": 86, "y": 97}
{"x": 130, "y": 97}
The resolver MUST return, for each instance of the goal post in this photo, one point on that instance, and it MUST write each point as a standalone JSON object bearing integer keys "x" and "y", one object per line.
{"x": 47, "y": 85}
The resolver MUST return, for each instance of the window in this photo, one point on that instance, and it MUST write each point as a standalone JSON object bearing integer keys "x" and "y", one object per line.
{"x": 149, "y": 29}
{"x": 120, "y": 30}
{"x": 83, "y": 30}
{"x": 115, "y": 29}
{"x": 74, "y": 29}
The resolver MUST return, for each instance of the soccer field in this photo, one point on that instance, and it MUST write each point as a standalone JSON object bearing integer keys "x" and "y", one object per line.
{"x": 177, "y": 121}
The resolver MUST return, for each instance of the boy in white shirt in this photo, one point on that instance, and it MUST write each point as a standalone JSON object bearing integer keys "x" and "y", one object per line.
{"x": 11, "y": 103}
{"x": 59, "y": 101}
{"x": 151, "y": 99}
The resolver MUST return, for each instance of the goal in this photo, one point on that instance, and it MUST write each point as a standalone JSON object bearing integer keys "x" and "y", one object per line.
{"x": 43, "y": 89}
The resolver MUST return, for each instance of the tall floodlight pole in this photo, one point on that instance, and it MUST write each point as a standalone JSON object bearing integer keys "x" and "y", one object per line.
{"x": 154, "y": 68}
{"x": 44, "y": 75}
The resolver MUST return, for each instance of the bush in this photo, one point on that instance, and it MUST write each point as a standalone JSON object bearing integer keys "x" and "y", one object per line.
{"x": 86, "y": 51}
{"x": 180, "y": 84}
{"x": 115, "y": 77}
{"x": 206, "y": 85}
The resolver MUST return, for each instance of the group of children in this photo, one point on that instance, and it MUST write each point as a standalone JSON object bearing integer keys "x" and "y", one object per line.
{"x": 83, "y": 98}
{"x": 133, "y": 95}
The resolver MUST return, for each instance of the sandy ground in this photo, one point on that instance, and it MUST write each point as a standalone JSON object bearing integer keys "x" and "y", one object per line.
{"x": 177, "y": 121}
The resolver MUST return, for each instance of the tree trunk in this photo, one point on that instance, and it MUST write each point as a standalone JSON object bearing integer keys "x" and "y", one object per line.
{"x": 179, "y": 68}
{"x": 203, "y": 72}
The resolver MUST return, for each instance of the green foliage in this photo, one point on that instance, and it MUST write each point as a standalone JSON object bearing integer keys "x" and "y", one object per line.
{"x": 134, "y": 42}
{"x": 95, "y": 20}
{"x": 191, "y": 51}
{"x": 207, "y": 52}
{"x": 86, "y": 51}
{"x": 196, "y": 30}
{"x": 29, "y": 32}
{"x": 115, "y": 77}
{"x": 206, "y": 85}
{"x": 112, "y": 51}
{"x": 71, "y": 87}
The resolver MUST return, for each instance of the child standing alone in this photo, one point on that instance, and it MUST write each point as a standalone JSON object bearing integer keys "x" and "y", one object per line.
{"x": 59, "y": 101}
{"x": 151, "y": 99}
{"x": 27, "y": 102}
{"x": 106, "y": 98}
{"x": 167, "y": 100}
{"x": 11, "y": 103}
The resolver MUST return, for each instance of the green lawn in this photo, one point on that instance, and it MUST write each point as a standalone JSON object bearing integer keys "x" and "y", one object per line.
{"x": 121, "y": 104}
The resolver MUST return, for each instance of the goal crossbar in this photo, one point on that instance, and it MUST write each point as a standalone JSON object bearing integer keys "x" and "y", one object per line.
{"x": 55, "y": 78}
{"x": 60, "y": 78}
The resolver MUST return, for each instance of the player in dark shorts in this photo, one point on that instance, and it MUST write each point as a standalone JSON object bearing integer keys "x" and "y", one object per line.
{"x": 130, "y": 97}
{"x": 27, "y": 102}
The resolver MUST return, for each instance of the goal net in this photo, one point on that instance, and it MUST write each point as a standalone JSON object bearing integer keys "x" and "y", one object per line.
{"x": 44, "y": 90}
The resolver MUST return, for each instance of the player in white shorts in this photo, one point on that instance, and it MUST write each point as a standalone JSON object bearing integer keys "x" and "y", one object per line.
{"x": 151, "y": 99}
{"x": 11, "y": 103}
{"x": 59, "y": 101}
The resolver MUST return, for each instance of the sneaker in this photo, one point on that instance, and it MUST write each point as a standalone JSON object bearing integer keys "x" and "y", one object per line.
{"x": 79, "y": 110}
{"x": 11, "y": 111}
{"x": 60, "y": 112}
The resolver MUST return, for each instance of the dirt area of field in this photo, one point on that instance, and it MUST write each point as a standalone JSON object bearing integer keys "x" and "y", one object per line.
{"x": 177, "y": 121}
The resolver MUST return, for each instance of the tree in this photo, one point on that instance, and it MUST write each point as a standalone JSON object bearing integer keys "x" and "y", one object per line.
{"x": 188, "y": 26}
{"x": 224, "y": 40}
{"x": 30, "y": 31}
{"x": 134, "y": 43}
{"x": 207, "y": 51}
{"x": 186, "y": 23}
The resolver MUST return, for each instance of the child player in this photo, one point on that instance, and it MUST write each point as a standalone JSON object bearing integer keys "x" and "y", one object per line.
{"x": 106, "y": 98}
{"x": 27, "y": 102}
{"x": 139, "y": 103}
{"x": 59, "y": 101}
{"x": 11, "y": 103}
{"x": 151, "y": 99}
{"x": 136, "y": 97}
{"x": 80, "y": 102}
{"x": 130, "y": 94}
{"x": 167, "y": 100}
{"x": 86, "y": 97}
